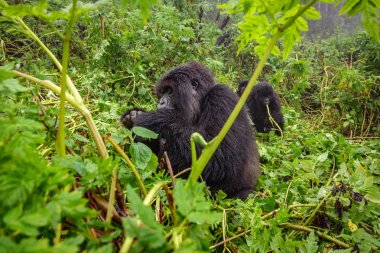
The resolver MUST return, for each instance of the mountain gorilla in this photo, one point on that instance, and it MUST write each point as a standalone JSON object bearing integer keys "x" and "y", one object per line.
{"x": 190, "y": 101}
{"x": 261, "y": 95}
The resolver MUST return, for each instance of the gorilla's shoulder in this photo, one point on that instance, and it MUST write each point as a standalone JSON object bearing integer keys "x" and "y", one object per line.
{"x": 221, "y": 90}
{"x": 220, "y": 98}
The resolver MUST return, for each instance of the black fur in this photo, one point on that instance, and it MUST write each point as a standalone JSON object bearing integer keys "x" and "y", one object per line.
{"x": 197, "y": 104}
{"x": 257, "y": 106}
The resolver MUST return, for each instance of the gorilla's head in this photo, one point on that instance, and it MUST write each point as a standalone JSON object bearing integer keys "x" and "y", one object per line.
{"x": 264, "y": 93}
{"x": 183, "y": 88}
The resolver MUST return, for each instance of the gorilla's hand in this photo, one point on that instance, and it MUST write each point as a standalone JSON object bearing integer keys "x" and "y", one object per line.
{"x": 130, "y": 116}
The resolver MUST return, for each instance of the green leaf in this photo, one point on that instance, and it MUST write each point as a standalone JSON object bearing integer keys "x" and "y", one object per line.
{"x": 80, "y": 138}
{"x": 143, "y": 157}
{"x": 321, "y": 158}
{"x": 12, "y": 86}
{"x": 6, "y": 72}
{"x": 144, "y": 132}
{"x": 192, "y": 203}
{"x": 144, "y": 5}
{"x": 373, "y": 196}
{"x": 348, "y": 5}
{"x": 370, "y": 18}
{"x": 205, "y": 217}
{"x": 322, "y": 192}
{"x": 145, "y": 213}
{"x": 312, "y": 14}
{"x": 37, "y": 219}
{"x": 21, "y": 10}
{"x": 34, "y": 245}
{"x": 150, "y": 233}
{"x": 71, "y": 204}
{"x": 311, "y": 243}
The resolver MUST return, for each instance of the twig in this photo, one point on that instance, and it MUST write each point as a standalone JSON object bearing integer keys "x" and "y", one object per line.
{"x": 121, "y": 200}
{"x": 364, "y": 137}
{"x": 70, "y": 84}
{"x": 169, "y": 167}
{"x": 320, "y": 234}
{"x": 271, "y": 119}
{"x": 152, "y": 193}
{"x": 130, "y": 164}
{"x": 311, "y": 217}
{"x": 111, "y": 200}
{"x": 265, "y": 216}
{"x": 230, "y": 239}
{"x": 224, "y": 226}
{"x": 172, "y": 207}
{"x": 182, "y": 172}
{"x": 102, "y": 204}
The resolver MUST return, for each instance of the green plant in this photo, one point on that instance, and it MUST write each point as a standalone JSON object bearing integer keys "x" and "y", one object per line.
{"x": 314, "y": 183}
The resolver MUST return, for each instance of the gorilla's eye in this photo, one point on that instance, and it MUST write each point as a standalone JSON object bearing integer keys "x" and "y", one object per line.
{"x": 195, "y": 83}
{"x": 168, "y": 91}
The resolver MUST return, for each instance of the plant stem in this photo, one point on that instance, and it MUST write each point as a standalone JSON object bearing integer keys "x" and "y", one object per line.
{"x": 61, "y": 150}
{"x": 195, "y": 138}
{"x": 130, "y": 164}
{"x": 69, "y": 82}
{"x": 111, "y": 200}
{"x": 265, "y": 216}
{"x": 126, "y": 247}
{"x": 152, "y": 193}
{"x": 271, "y": 119}
{"x": 320, "y": 234}
{"x": 312, "y": 216}
{"x": 77, "y": 105}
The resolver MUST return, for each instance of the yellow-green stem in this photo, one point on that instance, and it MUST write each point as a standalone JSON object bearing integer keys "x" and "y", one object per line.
{"x": 152, "y": 193}
{"x": 69, "y": 82}
{"x": 111, "y": 200}
{"x": 130, "y": 164}
{"x": 61, "y": 150}
{"x": 126, "y": 247}
{"x": 79, "y": 106}
{"x": 320, "y": 234}
{"x": 271, "y": 119}
{"x": 312, "y": 216}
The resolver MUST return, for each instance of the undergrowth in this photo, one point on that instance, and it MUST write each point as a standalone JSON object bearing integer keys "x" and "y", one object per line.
{"x": 318, "y": 192}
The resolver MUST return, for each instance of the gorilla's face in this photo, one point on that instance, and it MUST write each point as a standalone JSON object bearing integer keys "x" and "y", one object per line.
{"x": 183, "y": 88}
{"x": 265, "y": 94}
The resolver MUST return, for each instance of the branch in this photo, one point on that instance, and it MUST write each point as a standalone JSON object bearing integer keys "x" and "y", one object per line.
{"x": 320, "y": 234}
{"x": 31, "y": 34}
{"x": 111, "y": 199}
{"x": 80, "y": 107}
{"x": 129, "y": 162}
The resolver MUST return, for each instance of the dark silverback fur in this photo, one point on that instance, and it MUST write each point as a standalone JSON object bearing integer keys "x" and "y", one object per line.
{"x": 260, "y": 93}
{"x": 199, "y": 105}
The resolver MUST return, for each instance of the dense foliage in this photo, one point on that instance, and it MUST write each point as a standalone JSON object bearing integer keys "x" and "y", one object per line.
{"x": 320, "y": 182}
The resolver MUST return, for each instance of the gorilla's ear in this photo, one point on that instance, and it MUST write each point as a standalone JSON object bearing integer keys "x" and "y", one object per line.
{"x": 195, "y": 83}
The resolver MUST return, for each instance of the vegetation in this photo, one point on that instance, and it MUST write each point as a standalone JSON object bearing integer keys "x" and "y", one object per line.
{"x": 320, "y": 182}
